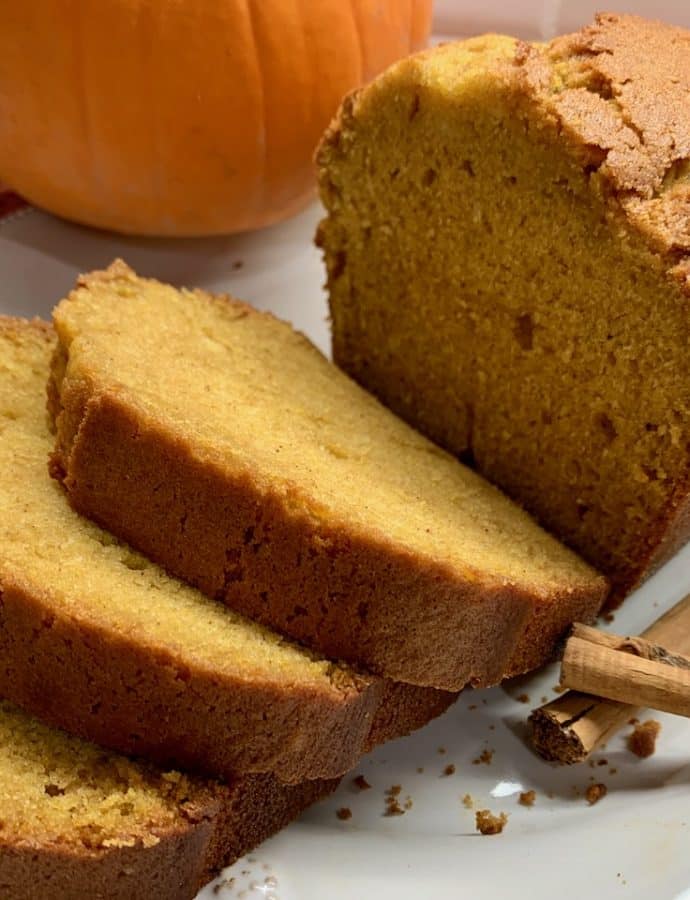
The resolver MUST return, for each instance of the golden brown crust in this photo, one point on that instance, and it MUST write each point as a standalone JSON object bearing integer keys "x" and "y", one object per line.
{"x": 253, "y": 808}
{"x": 168, "y": 869}
{"x": 404, "y": 708}
{"x": 620, "y": 93}
{"x": 230, "y": 821}
{"x": 112, "y": 478}
{"x": 111, "y": 689}
{"x": 670, "y": 533}
{"x": 19, "y": 329}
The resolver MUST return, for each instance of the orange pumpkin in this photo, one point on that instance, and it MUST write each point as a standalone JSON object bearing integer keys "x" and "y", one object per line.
{"x": 183, "y": 117}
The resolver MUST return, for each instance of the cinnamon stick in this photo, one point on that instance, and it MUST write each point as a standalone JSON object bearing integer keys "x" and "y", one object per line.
{"x": 628, "y": 670}
{"x": 573, "y": 725}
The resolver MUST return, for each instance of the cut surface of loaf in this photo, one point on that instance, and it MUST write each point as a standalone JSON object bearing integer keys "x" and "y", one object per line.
{"x": 77, "y": 821}
{"x": 96, "y": 639}
{"x": 508, "y": 249}
{"x": 292, "y": 495}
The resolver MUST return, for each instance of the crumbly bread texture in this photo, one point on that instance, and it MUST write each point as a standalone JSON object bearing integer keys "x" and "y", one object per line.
{"x": 508, "y": 253}
{"x": 96, "y": 639}
{"x": 77, "y": 821}
{"x": 222, "y": 444}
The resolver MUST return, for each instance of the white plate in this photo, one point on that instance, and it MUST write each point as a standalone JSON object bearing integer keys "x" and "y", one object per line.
{"x": 635, "y": 843}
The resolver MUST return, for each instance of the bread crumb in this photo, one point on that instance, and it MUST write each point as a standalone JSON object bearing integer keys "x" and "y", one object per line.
{"x": 487, "y": 823}
{"x": 420, "y": 769}
{"x": 408, "y": 803}
{"x": 237, "y": 264}
{"x": 603, "y": 762}
{"x": 613, "y": 771}
{"x": 484, "y": 757}
{"x": 472, "y": 706}
{"x": 441, "y": 750}
{"x": 633, "y": 721}
{"x": 559, "y": 689}
{"x": 595, "y": 792}
{"x": 468, "y": 802}
{"x": 608, "y": 617}
{"x": 492, "y": 728}
{"x": 393, "y": 807}
{"x": 449, "y": 770}
{"x": 222, "y": 885}
{"x": 642, "y": 741}
{"x": 522, "y": 698}
{"x": 527, "y": 798}
{"x": 344, "y": 813}
{"x": 361, "y": 783}
{"x": 544, "y": 699}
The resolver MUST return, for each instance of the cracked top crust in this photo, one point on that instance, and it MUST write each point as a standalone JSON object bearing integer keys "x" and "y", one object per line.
{"x": 620, "y": 90}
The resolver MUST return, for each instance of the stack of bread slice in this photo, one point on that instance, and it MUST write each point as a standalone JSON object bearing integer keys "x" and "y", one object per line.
{"x": 221, "y": 445}
{"x": 101, "y": 642}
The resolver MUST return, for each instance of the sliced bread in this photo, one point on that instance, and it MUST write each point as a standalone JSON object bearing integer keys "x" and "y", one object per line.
{"x": 77, "y": 821}
{"x": 508, "y": 252}
{"x": 96, "y": 639}
{"x": 222, "y": 444}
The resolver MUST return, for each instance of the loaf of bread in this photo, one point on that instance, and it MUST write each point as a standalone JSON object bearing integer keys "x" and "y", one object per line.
{"x": 224, "y": 446}
{"x": 508, "y": 249}
{"x": 96, "y": 639}
{"x": 77, "y": 822}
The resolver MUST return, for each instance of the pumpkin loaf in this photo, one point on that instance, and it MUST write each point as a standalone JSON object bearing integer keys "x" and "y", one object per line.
{"x": 508, "y": 252}
{"x": 222, "y": 444}
{"x": 79, "y": 822}
{"x": 97, "y": 640}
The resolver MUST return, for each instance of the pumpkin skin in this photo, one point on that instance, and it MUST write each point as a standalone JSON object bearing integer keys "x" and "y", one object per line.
{"x": 183, "y": 117}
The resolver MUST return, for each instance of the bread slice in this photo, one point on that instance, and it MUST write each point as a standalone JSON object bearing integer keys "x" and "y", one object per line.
{"x": 508, "y": 251}
{"x": 79, "y": 822}
{"x": 96, "y": 639}
{"x": 223, "y": 445}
